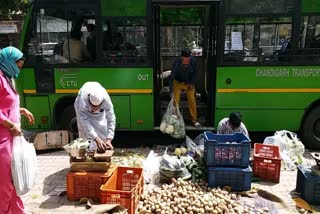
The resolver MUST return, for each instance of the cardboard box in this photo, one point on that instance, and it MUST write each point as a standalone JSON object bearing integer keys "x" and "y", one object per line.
{"x": 51, "y": 140}
{"x": 89, "y": 166}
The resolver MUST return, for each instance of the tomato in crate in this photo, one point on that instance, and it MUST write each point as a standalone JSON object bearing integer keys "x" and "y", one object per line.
{"x": 124, "y": 187}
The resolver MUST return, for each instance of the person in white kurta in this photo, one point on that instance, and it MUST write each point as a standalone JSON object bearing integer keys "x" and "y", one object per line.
{"x": 95, "y": 115}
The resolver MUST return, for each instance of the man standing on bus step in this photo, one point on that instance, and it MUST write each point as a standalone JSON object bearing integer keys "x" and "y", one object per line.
{"x": 232, "y": 125}
{"x": 183, "y": 74}
{"x": 95, "y": 115}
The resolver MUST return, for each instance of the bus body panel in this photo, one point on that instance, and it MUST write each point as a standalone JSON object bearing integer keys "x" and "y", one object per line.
{"x": 124, "y": 8}
{"x": 128, "y": 89}
{"x": 269, "y": 98}
{"x": 121, "y": 106}
{"x": 142, "y": 112}
{"x": 115, "y": 80}
{"x": 39, "y": 106}
{"x": 310, "y": 6}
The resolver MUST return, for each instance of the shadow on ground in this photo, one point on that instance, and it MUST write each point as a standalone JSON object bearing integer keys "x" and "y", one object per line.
{"x": 54, "y": 189}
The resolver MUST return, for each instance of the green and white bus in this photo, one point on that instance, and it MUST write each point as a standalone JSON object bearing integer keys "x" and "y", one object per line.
{"x": 260, "y": 58}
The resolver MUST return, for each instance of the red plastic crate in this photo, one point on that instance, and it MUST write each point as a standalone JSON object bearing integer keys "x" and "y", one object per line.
{"x": 267, "y": 162}
{"x": 124, "y": 187}
{"x": 86, "y": 184}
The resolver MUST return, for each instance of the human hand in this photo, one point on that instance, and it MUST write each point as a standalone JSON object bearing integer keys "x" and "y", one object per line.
{"x": 190, "y": 86}
{"x": 28, "y": 115}
{"x": 102, "y": 147}
{"x": 108, "y": 143}
{"x": 16, "y": 130}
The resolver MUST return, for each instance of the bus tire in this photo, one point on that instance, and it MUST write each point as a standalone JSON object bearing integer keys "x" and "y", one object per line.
{"x": 311, "y": 129}
{"x": 68, "y": 119}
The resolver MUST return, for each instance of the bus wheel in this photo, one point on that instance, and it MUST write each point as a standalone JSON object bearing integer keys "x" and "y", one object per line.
{"x": 68, "y": 120}
{"x": 311, "y": 129}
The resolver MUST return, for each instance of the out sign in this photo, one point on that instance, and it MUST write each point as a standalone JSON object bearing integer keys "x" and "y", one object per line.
{"x": 143, "y": 77}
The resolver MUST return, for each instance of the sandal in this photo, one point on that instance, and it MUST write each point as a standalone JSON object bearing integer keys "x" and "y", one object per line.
{"x": 196, "y": 124}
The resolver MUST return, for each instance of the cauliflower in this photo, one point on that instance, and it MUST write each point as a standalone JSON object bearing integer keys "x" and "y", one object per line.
{"x": 163, "y": 126}
{"x": 169, "y": 129}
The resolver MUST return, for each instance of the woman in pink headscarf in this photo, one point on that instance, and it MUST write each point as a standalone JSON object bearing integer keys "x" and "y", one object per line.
{"x": 11, "y": 61}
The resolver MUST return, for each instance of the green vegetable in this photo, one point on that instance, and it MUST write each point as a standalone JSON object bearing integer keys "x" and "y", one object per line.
{"x": 187, "y": 177}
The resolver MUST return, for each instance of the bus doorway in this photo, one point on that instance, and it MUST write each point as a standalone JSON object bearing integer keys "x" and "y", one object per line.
{"x": 186, "y": 26}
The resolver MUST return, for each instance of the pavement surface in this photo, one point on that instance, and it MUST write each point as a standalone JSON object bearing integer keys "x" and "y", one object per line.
{"x": 49, "y": 193}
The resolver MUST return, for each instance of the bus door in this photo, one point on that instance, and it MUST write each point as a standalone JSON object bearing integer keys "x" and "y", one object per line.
{"x": 179, "y": 25}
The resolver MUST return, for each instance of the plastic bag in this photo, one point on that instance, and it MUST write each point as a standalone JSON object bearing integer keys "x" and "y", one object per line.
{"x": 199, "y": 141}
{"x": 292, "y": 145}
{"x": 290, "y": 141}
{"x": 275, "y": 141}
{"x": 191, "y": 146}
{"x": 151, "y": 168}
{"x": 291, "y": 148}
{"x": 170, "y": 167}
{"x": 288, "y": 163}
{"x": 195, "y": 146}
{"x": 23, "y": 165}
{"x": 78, "y": 143}
{"x": 172, "y": 121}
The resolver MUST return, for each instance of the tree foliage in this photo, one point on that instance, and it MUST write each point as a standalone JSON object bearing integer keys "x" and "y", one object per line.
{"x": 13, "y": 9}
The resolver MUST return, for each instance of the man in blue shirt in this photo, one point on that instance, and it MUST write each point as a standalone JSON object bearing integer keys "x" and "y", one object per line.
{"x": 183, "y": 74}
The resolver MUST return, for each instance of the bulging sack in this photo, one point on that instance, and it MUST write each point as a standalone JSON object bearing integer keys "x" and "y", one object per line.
{"x": 23, "y": 165}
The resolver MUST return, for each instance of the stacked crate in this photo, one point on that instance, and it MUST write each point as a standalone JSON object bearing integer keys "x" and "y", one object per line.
{"x": 227, "y": 159}
{"x": 86, "y": 177}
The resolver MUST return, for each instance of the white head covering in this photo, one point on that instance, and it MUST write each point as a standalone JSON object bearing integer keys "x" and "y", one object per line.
{"x": 96, "y": 97}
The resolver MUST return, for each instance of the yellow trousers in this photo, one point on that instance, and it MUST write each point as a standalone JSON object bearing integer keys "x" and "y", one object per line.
{"x": 180, "y": 86}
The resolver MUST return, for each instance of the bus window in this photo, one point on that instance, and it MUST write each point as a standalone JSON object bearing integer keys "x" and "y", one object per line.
{"x": 256, "y": 39}
{"x": 175, "y": 40}
{"x": 79, "y": 46}
{"x": 309, "y": 46}
{"x": 311, "y": 32}
{"x": 239, "y": 40}
{"x": 181, "y": 28}
{"x": 58, "y": 36}
{"x": 124, "y": 41}
{"x": 275, "y": 37}
{"x": 48, "y": 33}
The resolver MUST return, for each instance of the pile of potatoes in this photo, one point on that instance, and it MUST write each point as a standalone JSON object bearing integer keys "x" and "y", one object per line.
{"x": 182, "y": 197}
